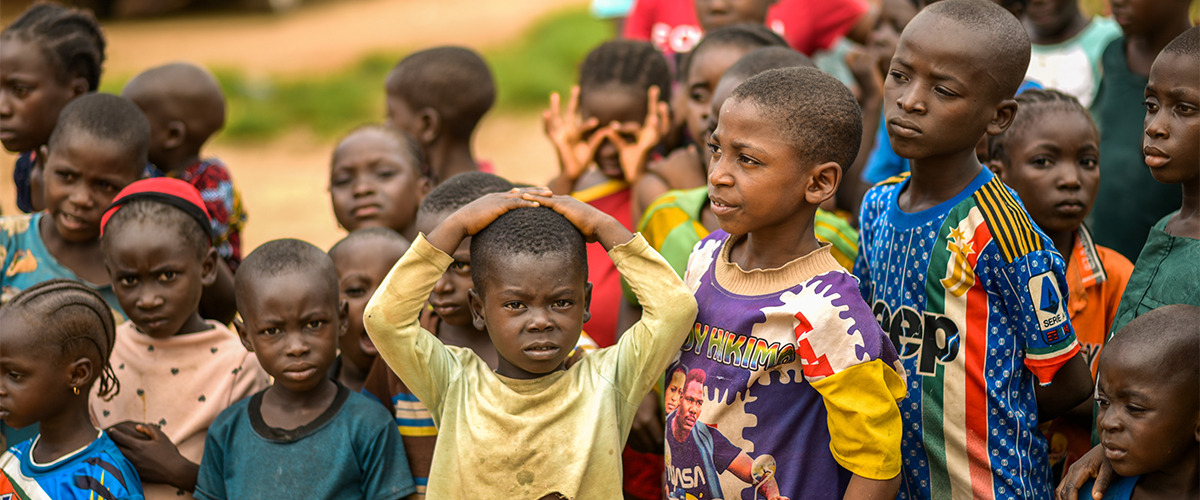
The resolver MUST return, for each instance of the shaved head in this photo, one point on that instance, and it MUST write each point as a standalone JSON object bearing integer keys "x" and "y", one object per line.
{"x": 180, "y": 92}
{"x": 1165, "y": 340}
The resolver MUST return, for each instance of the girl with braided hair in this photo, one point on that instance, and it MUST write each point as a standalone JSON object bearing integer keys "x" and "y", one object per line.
{"x": 48, "y": 57}
{"x": 58, "y": 337}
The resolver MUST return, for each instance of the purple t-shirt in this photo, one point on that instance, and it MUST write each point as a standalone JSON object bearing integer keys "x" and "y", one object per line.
{"x": 760, "y": 351}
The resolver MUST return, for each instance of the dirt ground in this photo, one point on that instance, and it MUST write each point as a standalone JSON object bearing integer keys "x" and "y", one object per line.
{"x": 283, "y": 182}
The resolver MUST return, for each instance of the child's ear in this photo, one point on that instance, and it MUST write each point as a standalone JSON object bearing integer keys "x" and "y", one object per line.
{"x": 1005, "y": 111}
{"x": 424, "y": 186}
{"x": 208, "y": 268}
{"x": 79, "y": 86}
{"x": 176, "y": 134}
{"x": 587, "y": 302}
{"x": 823, "y": 183}
{"x": 475, "y": 304}
{"x": 431, "y": 126}
{"x": 243, "y": 335}
{"x": 997, "y": 167}
{"x": 39, "y": 160}
{"x": 344, "y": 317}
{"x": 80, "y": 373}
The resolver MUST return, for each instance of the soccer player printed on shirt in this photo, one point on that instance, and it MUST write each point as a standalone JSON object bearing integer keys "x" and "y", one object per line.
{"x": 696, "y": 455}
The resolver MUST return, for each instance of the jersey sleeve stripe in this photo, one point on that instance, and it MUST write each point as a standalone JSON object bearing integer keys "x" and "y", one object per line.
{"x": 1015, "y": 235}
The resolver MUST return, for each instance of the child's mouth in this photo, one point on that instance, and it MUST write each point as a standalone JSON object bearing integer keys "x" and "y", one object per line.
{"x": 542, "y": 352}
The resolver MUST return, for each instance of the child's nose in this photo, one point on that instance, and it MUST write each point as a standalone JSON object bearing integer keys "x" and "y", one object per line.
{"x": 539, "y": 321}
{"x": 908, "y": 101}
{"x": 149, "y": 300}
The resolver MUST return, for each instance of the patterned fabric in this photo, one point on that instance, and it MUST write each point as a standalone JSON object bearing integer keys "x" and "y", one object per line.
{"x": 974, "y": 298}
{"x": 795, "y": 369}
{"x": 224, "y": 205}
{"x": 28, "y": 262}
{"x": 1096, "y": 278}
{"x": 613, "y": 198}
{"x": 96, "y": 471}
{"x": 181, "y": 383}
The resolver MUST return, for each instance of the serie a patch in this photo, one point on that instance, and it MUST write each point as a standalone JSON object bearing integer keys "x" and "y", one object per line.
{"x": 1048, "y": 300}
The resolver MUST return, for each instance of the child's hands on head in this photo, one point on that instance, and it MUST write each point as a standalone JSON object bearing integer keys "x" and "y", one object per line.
{"x": 656, "y": 126}
{"x": 594, "y": 224}
{"x": 567, "y": 133}
{"x": 480, "y": 213}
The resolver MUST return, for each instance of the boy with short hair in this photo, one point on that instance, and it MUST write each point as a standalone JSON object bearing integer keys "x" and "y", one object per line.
{"x": 185, "y": 107}
{"x": 447, "y": 316}
{"x": 791, "y": 387}
{"x": 970, "y": 290}
{"x": 531, "y": 428}
{"x": 306, "y": 436}
{"x": 362, "y": 259}
{"x": 1149, "y": 419}
{"x": 1130, "y": 201}
{"x": 438, "y": 96}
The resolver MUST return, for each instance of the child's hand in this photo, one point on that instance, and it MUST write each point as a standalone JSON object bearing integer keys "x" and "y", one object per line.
{"x": 478, "y": 214}
{"x": 566, "y": 132}
{"x": 864, "y": 65}
{"x": 155, "y": 457}
{"x": 594, "y": 224}
{"x": 654, "y": 128}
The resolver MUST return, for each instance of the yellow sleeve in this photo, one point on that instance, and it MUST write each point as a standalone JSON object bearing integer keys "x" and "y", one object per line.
{"x": 864, "y": 421}
{"x": 668, "y": 310}
{"x": 392, "y": 320}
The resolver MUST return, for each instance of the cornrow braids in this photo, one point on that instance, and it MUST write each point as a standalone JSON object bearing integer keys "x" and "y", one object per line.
{"x": 747, "y": 35}
{"x": 71, "y": 40}
{"x": 626, "y": 63}
{"x": 74, "y": 315}
{"x": 1031, "y": 105}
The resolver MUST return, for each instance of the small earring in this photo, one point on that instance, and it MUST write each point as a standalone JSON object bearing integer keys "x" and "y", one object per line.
{"x": 75, "y": 390}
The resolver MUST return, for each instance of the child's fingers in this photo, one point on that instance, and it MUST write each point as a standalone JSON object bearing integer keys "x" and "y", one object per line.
{"x": 664, "y": 119}
{"x": 555, "y": 103}
{"x": 573, "y": 105}
{"x": 652, "y": 99}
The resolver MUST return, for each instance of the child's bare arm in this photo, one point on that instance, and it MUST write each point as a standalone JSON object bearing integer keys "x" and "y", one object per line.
{"x": 479, "y": 214}
{"x": 1072, "y": 385}
{"x": 154, "y": 456}
{"x": 861, "y": 488}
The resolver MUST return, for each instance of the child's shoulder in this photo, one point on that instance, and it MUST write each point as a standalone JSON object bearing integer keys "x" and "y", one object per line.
{"x": 364, "y": 410}
{"x": 97, "y": 470}
{"x": 1009, "y": 225}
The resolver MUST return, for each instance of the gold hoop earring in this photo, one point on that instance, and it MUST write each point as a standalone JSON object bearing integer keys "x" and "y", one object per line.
{"x": 75, "y": 390}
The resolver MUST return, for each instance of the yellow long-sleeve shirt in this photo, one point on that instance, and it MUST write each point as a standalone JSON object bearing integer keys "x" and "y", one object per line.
{"x": 523, "y": 439}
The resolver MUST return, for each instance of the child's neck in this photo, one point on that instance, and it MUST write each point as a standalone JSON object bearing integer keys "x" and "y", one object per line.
{"x": 286, "y": 409}
{"x": 935, "y": 180}
{"x": 85, "y": 259}
{"x": 1064, "y": 243}
{"x": 65, "y": 432}
{"x": 1181, "y": 480}
{"x": 475, "y": 340}
{"x": 773, "y": 248}
{"x": 352, "y": 376}
{"x": 1186, "y": 223}
{"x": 451, "y": 157}
{"x": 176, "y": 164}
{"x": 1141, "y": 50}
{"x": 1077, "y": 24}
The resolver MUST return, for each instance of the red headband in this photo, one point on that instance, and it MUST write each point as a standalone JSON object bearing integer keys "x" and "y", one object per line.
{"x": 174, "y": 192}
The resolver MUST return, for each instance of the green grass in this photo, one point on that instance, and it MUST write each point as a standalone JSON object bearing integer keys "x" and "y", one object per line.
{"x": 543, "y": 60}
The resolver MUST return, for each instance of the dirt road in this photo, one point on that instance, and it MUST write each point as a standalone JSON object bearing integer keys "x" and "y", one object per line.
{"x": 283, "y": 182}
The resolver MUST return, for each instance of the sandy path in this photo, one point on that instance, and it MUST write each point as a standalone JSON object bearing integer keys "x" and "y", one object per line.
{"x": 283, "y": 182}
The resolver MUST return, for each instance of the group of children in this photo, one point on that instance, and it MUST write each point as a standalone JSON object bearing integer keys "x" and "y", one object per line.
{"x": 706, "y": 303}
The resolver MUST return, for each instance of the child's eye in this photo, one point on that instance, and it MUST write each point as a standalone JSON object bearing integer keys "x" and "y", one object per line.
{"x": 386, "y": 174}
{"x": 107, "y": 186}
{"x": 1042, "y": 161}
{"x": 271, "y": 331}
{"x": 1101, "y": 402}
{"x": 1090, "y": 163}
{"x": 563, "y": 304}
{"x": 21, "y": 91}
{"x": 65, "y": 176}
{"x": 1184, "y": 108}
{"x": 944, "y": 91}
{"x": 747, "y": 160}
{"x": 315, "y": 324}
{"x": 714, "y": 148}
{"x": 355, "y": 292}
{"x": 898, "y": 76}
{"x": 1151, "y": 105}
{"x": 459, "y": 265}
{"x": 168, "y": 276}
{"x": 340, "y": 181}
{"x": 513, "y": 306}
{"x": 15, "y": 375}
{"x": 127, "y": 280}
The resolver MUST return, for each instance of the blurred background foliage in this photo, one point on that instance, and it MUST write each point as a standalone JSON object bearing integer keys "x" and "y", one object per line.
{"x": 543, "y": 60}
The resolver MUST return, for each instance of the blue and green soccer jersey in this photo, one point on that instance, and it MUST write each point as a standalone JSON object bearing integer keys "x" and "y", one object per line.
{"x": 98, "y": 470}
{"x": 974, "y": 297}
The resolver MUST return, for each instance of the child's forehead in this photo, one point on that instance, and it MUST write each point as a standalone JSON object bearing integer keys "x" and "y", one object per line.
{"x": 1177, "y": 71}
{"x": 611, "y": 103}
{"x": 526, "y": 270}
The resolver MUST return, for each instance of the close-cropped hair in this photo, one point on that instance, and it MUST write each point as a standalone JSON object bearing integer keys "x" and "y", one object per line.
{"x": 374, "y": 234}
{"x": 744, "y": 35}
{"x": 999, "y": 31}
{"x": 460, "y": 190}
{"x": 454, "y": 81}
{"x": 412, "y": 148}
{"x": 105, "y": 117}
{"x": 70, "y": 39}
{"x": 767, "y": 58}
{"x": 1031, "y": 106}
{"x": 632, "y": 64}
{"x": 76, "y": 321}
{"x": 814, "y": 111}
{"x": 536, "y": 231}
{"x": 1168, "y": 338}
{"x": 166, "y": 218}
{"x": 1187, "y": 44}
{"x": 283, "y": 257}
